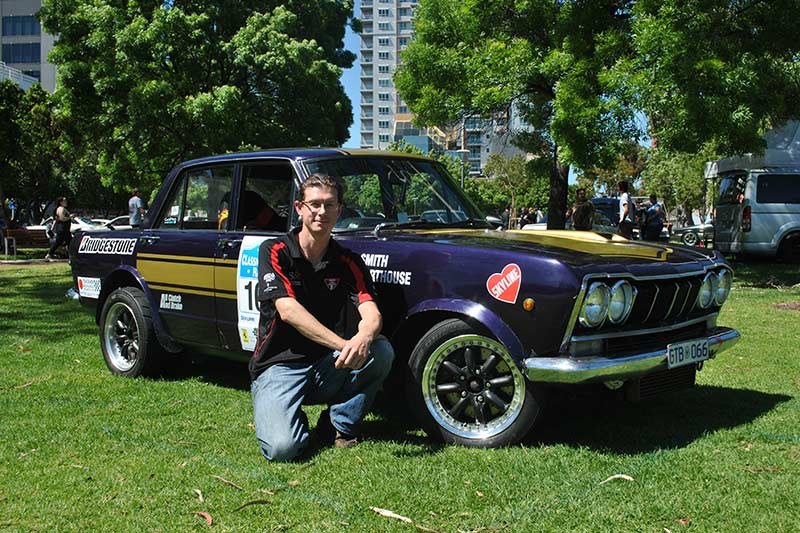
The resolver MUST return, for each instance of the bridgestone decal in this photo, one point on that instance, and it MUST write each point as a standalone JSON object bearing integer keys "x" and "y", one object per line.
{"x": 94, "y": 245}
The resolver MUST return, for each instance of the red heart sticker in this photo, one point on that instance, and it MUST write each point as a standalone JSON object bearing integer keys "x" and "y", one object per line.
{"x": 505, "y": 285}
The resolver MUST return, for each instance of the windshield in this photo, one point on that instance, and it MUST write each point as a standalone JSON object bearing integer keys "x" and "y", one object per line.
{"x": 396, "y": 190}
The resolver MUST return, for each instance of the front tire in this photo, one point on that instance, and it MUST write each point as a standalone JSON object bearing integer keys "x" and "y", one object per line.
{"x": 468, "y": 390}
{"x": 789, "y": 249}
{"x": 127, "y": 337}
{"x": 690, "y": 238}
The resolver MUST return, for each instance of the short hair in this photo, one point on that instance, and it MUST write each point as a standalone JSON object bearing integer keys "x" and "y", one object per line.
{"x": 653, "y": 198}
{"x": 322, "y": 180}
{"x": 581, "y": 189}
{"x": 59, "y": 200}
{"x": 623, "y": 186}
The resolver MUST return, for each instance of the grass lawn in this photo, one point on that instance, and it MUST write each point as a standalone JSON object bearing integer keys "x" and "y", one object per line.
{"x": 83, "y": 450}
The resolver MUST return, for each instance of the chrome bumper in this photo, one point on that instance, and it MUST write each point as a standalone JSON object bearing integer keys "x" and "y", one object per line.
{"x": 589, "y": 369}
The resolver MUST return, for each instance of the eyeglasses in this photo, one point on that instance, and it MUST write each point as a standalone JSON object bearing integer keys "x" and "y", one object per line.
{"x": 316, "y": 206}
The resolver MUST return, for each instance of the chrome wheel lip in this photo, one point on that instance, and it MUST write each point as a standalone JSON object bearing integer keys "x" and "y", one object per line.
{"x": 114, "y": 348}
{"x": 474, "y": 430}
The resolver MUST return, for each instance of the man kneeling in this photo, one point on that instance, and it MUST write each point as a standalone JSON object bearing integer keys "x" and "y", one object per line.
{"x": 309, "y": 349}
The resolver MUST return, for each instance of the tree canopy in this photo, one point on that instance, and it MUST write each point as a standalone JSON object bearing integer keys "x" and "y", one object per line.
{"x": 581, "y": 74}
{"x": 145, "y": 85}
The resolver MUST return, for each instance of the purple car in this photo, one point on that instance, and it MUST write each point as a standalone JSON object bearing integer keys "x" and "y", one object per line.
{"x": 484, "y": 322}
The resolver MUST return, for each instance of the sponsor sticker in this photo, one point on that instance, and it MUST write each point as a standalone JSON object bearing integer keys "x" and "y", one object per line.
{"x": 247, "y": 291}
{"x": 378, "y": 263}
{"x": 504, "y": 285}
{"x": 171, "y": 301}
{"x": 97, "y": 245}
{"x": 89, "y": 287}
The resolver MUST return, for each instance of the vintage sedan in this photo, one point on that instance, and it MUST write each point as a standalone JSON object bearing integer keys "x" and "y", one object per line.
{"x": 484, "y": 322}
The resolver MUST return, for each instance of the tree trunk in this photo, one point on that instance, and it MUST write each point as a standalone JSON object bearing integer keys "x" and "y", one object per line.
{"x": 557, "y": 206}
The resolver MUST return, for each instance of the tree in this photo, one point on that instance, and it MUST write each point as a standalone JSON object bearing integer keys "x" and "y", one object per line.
{"x": 10, "y": 98}
{"x": 715, "y": 73}
{"x": 145, "y": 85}
{"x": 678, "y": 178}
{"x": 545, "y": 60}
{"x": 512, "y": 177}
{"x": 627, "y": 166}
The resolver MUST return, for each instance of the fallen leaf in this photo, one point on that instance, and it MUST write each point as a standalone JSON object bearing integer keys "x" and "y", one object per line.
{"x": 293, "y": 483}
{"x": 231, "y": 483}
{"x": 23, "y": 348}
{"x": 667, "y": 530}
{"x": 253, "y": 502}
{"x": 479, "y": 494}
{"x": 757, "y": 469}
{"x": 390, "y": 514}
{"x": 28, "y": 384}
{"x": 205, "y": 516}
{"x": 617, "y": 476}
{"x": 23, "y": 455}
{"x": 199, "y": 495}
{"x": 265, "y": 491}
{"x": 468, "y": 482}
{"x": 423, "y": 528}
{"x": 683, "y": 521}
{"x": 747, "y": 445}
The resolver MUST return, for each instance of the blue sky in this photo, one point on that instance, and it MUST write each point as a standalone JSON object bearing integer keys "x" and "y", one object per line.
{"x": 351, "y": 82}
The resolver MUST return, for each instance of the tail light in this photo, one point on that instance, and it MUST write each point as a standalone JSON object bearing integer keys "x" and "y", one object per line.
{"x": 747, "y": 219}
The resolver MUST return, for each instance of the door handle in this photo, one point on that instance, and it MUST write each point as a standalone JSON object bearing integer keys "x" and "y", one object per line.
{"x": 149, "y": 239}
{"x": 228, "y": 243}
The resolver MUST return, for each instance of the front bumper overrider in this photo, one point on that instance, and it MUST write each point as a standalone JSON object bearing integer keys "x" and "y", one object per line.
{"x": 592, "y": 369}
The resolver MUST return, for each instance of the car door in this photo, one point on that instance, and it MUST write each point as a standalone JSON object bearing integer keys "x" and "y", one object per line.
{"x": 262, "y": 210}
{"x": 728, "y": 220}
{"x": 177, "y": 256}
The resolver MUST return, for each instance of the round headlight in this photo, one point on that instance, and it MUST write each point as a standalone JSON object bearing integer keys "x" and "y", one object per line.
{"x": 620, "y": 302}
{"x": 707, "y": 291}
{"x": 723, "y": 286}
{"x": 595, "y": 306}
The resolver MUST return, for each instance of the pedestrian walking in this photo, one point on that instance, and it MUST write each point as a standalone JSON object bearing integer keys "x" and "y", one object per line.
{"x": 60, "y": 228}
{"x": 135, "y": 209}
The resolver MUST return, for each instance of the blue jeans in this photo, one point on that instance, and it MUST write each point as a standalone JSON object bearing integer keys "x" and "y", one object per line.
{"x": 281, "y": 390}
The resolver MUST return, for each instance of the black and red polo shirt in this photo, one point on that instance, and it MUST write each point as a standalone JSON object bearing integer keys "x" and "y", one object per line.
{"x": 332, "y": 290}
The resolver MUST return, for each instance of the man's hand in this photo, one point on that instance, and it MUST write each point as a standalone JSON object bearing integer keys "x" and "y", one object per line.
{"x": 355, "y": 352}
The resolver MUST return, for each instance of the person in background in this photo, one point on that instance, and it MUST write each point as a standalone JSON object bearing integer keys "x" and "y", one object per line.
{"x": 653, "y": 220}
{"x": 135, "y": 209}
{"x": 625, "y": 228}
{"x": 59, "y": 228}
{"x": 505, "y": 216}
{"x": 582, "y": 212}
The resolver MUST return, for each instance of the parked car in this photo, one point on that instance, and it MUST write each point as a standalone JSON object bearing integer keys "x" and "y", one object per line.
{"x": 119, "y": 223}
{"x": 484, "y": 322}
{"x": 691, "y": 235}
{"x": 77, "y": 223}
{"x": 758, "y": 206}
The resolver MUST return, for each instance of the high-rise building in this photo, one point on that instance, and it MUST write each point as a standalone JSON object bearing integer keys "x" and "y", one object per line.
{"x": 24, "y": 45}
{"x": 385, "y": 118}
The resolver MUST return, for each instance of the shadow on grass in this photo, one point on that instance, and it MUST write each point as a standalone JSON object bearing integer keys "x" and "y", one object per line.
{"x": 603, "y": 422}
{"x": 765, "y": 272}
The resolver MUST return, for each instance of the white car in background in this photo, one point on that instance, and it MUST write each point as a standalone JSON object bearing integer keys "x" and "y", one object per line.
{"x": 119, "y": 223}
{"x": 77, "y": 224}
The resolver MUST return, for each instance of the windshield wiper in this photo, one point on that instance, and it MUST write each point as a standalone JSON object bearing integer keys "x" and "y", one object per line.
{"x": 428, "y": 224}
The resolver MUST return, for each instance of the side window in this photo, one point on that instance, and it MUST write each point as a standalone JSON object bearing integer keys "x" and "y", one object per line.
{"x": 778, "y": 189}
{"x": 199, "y": 200}
{"x": 265, "y": 198}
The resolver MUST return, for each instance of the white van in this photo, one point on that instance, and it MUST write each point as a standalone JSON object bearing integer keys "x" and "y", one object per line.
{"x": 758, "y": 207}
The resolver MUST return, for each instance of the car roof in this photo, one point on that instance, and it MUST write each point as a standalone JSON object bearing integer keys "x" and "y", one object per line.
{"x": 301, "y": 154}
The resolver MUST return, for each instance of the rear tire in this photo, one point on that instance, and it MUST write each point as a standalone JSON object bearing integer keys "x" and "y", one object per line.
{"x": 467, "y": 389}
{"x": 127, "y": 336}
{"x": 789, "y": 249}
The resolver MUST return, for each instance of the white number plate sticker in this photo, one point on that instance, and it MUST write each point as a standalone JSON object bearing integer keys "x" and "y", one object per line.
{"x": 687, "y": 352}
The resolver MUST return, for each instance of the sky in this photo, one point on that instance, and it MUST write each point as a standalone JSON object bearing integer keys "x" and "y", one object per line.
{"x": 351, "y": 81}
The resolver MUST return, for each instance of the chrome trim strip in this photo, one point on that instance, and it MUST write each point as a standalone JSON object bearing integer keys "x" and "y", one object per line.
{"x": 573, "y": 370}
{"x": 674, "y": 297}
{"x": 637, "y": 332}
{"x": 622, "y": 275}
{"x": 652, "y": 305}
{"x": 686, "y": 299}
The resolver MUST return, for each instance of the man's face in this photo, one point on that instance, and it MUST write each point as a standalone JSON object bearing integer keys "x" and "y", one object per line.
{"x": 581, "y": 194}
{"x": 319, "y": 209}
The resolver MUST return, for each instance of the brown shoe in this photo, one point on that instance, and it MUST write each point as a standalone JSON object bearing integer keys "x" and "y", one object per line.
{"x": 345, "y": 441}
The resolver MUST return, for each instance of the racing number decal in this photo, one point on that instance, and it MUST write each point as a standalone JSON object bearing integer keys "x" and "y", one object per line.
{"x": 246, "y": 290}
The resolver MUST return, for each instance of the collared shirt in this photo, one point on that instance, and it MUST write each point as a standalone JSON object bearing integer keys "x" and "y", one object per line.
{"x": 135, "y": 206}
{"x": 331, "y": 291}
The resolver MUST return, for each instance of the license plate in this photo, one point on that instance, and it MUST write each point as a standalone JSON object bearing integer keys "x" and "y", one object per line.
{"x": 687, "y": 352}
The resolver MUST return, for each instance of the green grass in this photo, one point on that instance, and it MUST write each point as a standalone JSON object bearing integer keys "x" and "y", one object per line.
{"x": 86, "y": 451}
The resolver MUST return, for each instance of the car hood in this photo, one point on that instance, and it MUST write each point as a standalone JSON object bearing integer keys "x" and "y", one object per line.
{"x": 580, "y": 249}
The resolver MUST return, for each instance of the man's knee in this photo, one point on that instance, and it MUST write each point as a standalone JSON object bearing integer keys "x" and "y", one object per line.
{"x": 382, "y": 356}
{"x": 281, "y": 449}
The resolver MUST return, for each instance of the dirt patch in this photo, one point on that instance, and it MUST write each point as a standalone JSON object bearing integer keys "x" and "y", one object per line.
{"x": 788, "y": 306}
